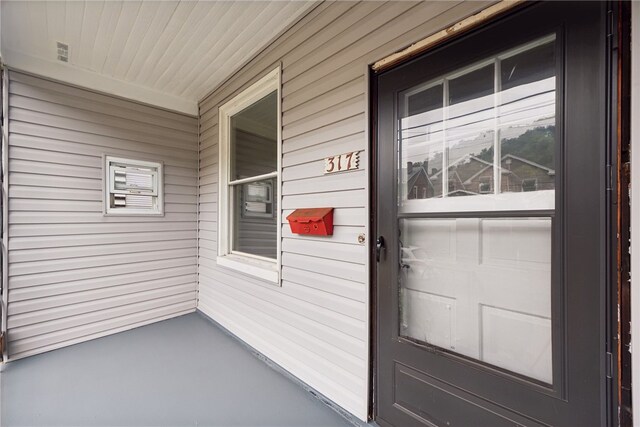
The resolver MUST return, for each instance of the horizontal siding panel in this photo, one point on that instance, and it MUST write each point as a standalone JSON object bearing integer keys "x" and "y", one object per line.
{"x": 303, "y": 315}
{"x": 182, "y": 138}
{"x": 300, "y": 366}
{"x": 57, "y": 158}
{"x": 322, "y": 86}
{"x": 349, "y": 108}
{"x": 308, "y": 180}
{"x": 133, "y": 109}
{"x": 34, "y": 267}
{"x": 82, "y": 217}
{"x": 209, "y": 188}
{"x": 34, "y": 179}
{"x": 32, "y": 205}
{"x": 211, "y": 178}
{"x": 77, "y": 124}
{"x": 56, "y": 242}
{"x": 116, "y": 320}
{"x": 40, "y": 230}
{"x": 47, "y": 303}
{"x": 208, "y": 253}
{"x": 33, "y": 296}
{"x": 43, "y": 331}
{"x": 173, "y": 166}
{"x": 124, "y": 324}
{"x": 209, "y": 135}
{"x": 334, "y": 285}
{"x": 100, "y": 140}
{"x": 75, "y": 274}
{"x": 65, "y": 99}
{"x": 342, "y": 199}
{"x": 211, "y": 151}
{"x": 73, "y": 252}
{"x": 345, "y": 306}
{"x": 307, "y": 347}
{"x": 340, "y": 129}
{"x": 330, "y": 267}
{"x": 342, "y": 93}
{"x": 326, "y": 250}
{"x": 29, "y": 192}
{"x": 51, "y": 169}
{"x": 37, "y": 279}
{"x": 60, "y": 314}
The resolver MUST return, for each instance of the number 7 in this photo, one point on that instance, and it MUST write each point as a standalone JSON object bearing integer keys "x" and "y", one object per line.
{"x": 349, "y": 156}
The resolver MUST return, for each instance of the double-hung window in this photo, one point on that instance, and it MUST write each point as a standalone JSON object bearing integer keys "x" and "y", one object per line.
{"x": 249, "y": 186}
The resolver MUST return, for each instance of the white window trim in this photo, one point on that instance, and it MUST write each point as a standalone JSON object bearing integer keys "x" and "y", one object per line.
{"x": 107, "y": 211}
{"x": 256, "y": 266}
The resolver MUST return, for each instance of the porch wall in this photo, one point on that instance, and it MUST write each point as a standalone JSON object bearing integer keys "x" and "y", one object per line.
{"x": 317, "y": 324}
{"x": 75, "y": 274}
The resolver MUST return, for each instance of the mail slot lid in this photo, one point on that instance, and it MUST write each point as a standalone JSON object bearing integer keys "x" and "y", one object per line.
{"x": 318, "y": 221}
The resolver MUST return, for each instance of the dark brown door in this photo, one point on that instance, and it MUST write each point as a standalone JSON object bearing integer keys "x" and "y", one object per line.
{"x": 491, "y": 209}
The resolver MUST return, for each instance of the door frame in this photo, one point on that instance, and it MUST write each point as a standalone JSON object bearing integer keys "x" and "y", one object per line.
{"x": 618, "y": 214}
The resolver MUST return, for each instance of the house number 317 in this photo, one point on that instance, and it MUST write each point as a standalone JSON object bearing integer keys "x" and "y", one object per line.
{"x": 342, "y": 162}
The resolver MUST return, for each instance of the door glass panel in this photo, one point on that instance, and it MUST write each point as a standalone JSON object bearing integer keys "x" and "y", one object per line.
{"x": 480, "y": 139}
{"x": 486, "y": 131}
{"x": 481, "y": 288}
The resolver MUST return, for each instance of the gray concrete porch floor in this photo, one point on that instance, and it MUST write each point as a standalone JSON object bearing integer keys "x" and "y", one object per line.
{"x": 182, "y": 371}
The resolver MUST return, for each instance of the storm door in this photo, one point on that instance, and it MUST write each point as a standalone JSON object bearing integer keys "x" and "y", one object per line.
{"x": 489, "y": 210}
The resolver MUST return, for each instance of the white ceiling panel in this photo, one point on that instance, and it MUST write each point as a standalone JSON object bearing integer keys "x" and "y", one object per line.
{"x": 166, "y": 53}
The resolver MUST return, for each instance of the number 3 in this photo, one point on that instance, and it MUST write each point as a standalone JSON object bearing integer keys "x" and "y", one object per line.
{"x": 332, "y": 165}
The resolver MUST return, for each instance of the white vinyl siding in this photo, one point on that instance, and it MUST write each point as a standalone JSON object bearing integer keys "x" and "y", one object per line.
{"x": 75, "y": 274}
{"x": 317, "y": 324}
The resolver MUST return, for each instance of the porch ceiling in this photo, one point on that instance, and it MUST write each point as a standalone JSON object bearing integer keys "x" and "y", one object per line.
{"x": 165, "y": 53}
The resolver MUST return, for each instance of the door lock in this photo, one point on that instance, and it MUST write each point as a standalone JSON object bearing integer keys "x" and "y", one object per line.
{"x": 379, "y": 247}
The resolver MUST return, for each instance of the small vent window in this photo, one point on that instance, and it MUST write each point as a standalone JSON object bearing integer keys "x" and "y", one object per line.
{"x": 134, "y": 187}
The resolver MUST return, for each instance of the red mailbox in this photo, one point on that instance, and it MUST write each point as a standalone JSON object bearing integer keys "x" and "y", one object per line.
{"x": 317, "y": 221}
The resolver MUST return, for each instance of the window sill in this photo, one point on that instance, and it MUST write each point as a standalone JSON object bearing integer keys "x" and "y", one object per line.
{"x": 265, "y": 270}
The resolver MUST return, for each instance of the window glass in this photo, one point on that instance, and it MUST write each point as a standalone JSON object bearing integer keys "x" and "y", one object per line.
{"x": 254, "y": 139}
{"x": 478, "y": 140}
{"x": 254, "y": 219}
{"x": 480, "y": 287}
{"x": 253, "y": 154}
{"x": 483, "y": 130}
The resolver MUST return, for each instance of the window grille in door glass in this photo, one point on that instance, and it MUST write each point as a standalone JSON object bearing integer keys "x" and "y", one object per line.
{"x": 486, "y": 130}
{"x": 480, "y": 139}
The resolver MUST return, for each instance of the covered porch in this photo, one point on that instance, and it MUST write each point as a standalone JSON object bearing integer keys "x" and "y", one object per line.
{"x": 183, "y": 371}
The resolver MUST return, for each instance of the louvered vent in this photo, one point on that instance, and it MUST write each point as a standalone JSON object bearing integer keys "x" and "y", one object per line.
{"x": 134, "y": 187}
{"x": 63, "y": 52}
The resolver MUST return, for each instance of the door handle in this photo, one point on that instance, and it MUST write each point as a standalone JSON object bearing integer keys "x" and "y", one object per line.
{"x": 379, "y": 247}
